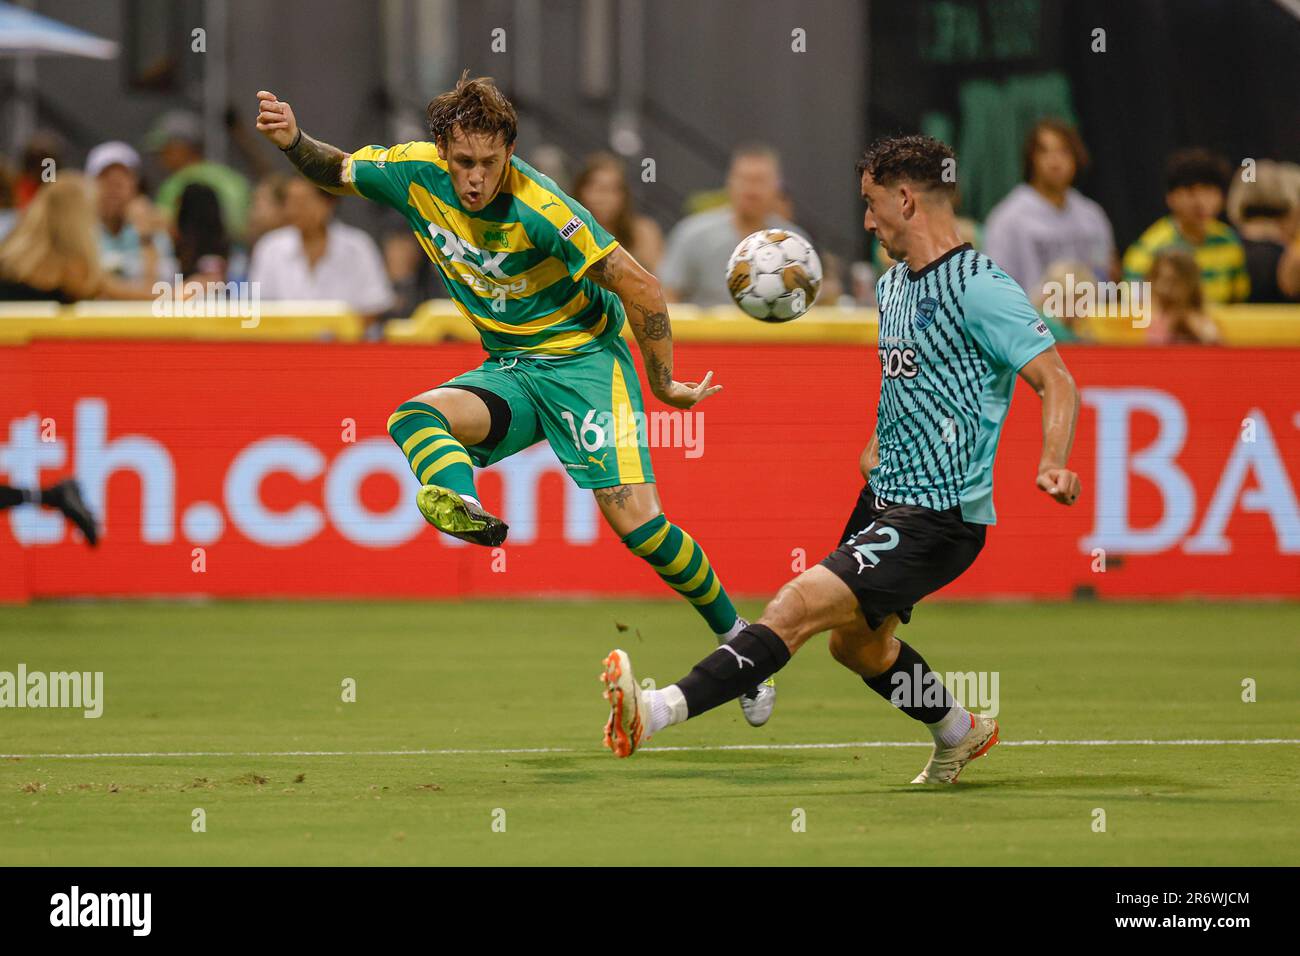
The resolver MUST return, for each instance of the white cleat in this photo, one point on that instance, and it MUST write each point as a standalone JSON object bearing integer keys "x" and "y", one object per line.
{"x": 625, "y": 729}
{"x": 947, "y": 763}
{"x": 758, "y": 708}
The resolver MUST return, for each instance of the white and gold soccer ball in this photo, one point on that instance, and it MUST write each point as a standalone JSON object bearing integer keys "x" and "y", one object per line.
{"x": 774, "y": 275}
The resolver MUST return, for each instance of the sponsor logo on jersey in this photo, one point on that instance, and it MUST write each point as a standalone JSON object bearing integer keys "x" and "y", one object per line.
{"x": 1041, "y": 327}
{"x": 898, "y": 363}
{"x": 925, "y": 311}
{"x": 572, "y": 226}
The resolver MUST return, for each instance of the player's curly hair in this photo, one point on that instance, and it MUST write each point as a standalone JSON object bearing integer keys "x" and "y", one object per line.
{"x": 476, "y": 106}
{"x": 920, "y": 160}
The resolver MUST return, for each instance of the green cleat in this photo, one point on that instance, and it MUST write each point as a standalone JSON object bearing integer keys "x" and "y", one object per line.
{"x": 451, "y": 514}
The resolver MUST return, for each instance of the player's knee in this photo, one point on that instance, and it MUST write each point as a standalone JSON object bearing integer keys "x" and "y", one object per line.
{"x": 787, "y": 615}
{"x": 404, "y": 410}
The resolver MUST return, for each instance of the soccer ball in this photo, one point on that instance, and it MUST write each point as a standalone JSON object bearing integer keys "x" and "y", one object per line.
{"x": 774, "y": 275}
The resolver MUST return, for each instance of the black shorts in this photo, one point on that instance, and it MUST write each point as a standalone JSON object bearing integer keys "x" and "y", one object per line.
{"x": 892, "y": 555}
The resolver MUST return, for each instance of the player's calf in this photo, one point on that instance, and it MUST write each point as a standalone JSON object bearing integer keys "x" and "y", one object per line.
{"x": 447, "y": 498}
{"x": 899, "y": 674}
{"x": 680, "y": 563}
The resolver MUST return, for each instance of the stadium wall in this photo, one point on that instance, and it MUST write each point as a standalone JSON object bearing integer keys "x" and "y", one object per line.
{"x": 263, "y": 469}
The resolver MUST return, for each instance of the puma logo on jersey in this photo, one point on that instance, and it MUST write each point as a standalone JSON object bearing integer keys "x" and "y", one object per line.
{"x": 898, "y": 363}
{"x": 599, "y": 462}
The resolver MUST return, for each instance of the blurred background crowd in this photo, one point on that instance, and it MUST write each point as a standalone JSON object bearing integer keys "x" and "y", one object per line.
{"x": 111, "y": 219}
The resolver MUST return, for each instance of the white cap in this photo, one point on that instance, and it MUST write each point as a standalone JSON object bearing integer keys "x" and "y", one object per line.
{"x": 113, "y": 153}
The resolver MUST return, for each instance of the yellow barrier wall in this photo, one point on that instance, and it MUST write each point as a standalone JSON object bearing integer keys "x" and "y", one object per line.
{"x": 438, "y": 320}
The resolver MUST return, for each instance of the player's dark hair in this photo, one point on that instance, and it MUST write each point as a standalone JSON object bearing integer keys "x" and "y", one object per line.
{"x": 476, "y": 106}
{"x": 1196, "y": 167}
{"x": 920, "y": 160}
{"x": 1067, "y": 132}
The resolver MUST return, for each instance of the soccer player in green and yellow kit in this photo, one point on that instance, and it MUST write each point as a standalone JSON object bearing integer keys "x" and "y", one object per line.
{"x": 548, "y": 290}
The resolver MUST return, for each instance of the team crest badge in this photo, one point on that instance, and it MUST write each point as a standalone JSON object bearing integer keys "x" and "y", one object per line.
{"x": 925, "y": 310}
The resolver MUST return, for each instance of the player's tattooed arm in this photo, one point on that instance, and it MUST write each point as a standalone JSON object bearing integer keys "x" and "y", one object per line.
{"x": 647, "y": 313}
{"x": 654, "y": 324}
{"x": 319, "y": 162}
{"x": 1049, "y": 377}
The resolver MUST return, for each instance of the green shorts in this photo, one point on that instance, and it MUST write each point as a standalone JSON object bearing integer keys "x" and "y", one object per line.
{"x": 587, "y": 406}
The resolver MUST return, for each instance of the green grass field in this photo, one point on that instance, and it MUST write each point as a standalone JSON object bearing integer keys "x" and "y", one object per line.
{"x": 230, "y": 684}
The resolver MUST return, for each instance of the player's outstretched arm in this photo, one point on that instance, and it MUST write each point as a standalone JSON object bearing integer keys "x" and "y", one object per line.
{"x": 319, "y": 162}
{"x": 643, "y": 300}
{"x": 1055, "y": 386}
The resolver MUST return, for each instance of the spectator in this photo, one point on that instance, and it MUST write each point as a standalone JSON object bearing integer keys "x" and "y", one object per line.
{"x": 410, "y": 272}
{"x": 42, "y": 161}
{"x": 1266, "y": 212}
{"x": 1177, "y": 300}
{"x": 133, "y": 242}
{"x": 202, "y": 244}
{"x": 1194, "y": 185}
{"x": 177, "y": 138}
{"x": 1052, "y": 295}
{"x": 1045, "y": 219}
{"x": 51, "y": 253}
{"x": 694, "y": 265}
{"x": 266, "y": 211}
{"x": 316, "y": 257}
{"x": 601, "y": 185}
{"x": 8, "y": 214}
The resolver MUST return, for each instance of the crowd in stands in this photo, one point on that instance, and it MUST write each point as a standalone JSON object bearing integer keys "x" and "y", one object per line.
{"x": 1230, "y": 235}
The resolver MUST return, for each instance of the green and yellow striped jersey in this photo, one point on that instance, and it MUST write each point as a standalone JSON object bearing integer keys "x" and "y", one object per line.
{"x": 516, "y": 267}
{"x": 1221, "y": 258}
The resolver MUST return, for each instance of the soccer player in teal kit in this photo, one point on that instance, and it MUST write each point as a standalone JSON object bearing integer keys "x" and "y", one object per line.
{"x": 955, "y": 331}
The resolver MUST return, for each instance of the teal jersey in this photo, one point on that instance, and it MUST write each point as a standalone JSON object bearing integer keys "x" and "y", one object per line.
{"x": 952, "y": 338}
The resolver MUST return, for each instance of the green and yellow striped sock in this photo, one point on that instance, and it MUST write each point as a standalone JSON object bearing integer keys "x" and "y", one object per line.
{"x": 685, "y": 568}
{"x": 436, "y": 457}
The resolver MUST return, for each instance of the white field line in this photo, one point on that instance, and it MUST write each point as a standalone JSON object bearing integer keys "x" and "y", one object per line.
{"x": 592, "y": 750}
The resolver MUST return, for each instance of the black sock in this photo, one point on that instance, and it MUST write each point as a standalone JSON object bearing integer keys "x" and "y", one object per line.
{"x": 748, "y": 659}
{"x": 912, "y": 687}
{"x": 12, "y": 497}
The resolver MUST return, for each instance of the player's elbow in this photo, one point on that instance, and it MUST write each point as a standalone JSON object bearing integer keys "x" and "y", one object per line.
{"x": 648, "y": 286}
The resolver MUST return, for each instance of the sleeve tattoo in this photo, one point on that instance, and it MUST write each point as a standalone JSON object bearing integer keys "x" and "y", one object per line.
{"x": 660, "y": 374}
{"x": 319, "y": 162}
{"x": 656, "y": 325}
{"x": 604, "y": 271}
